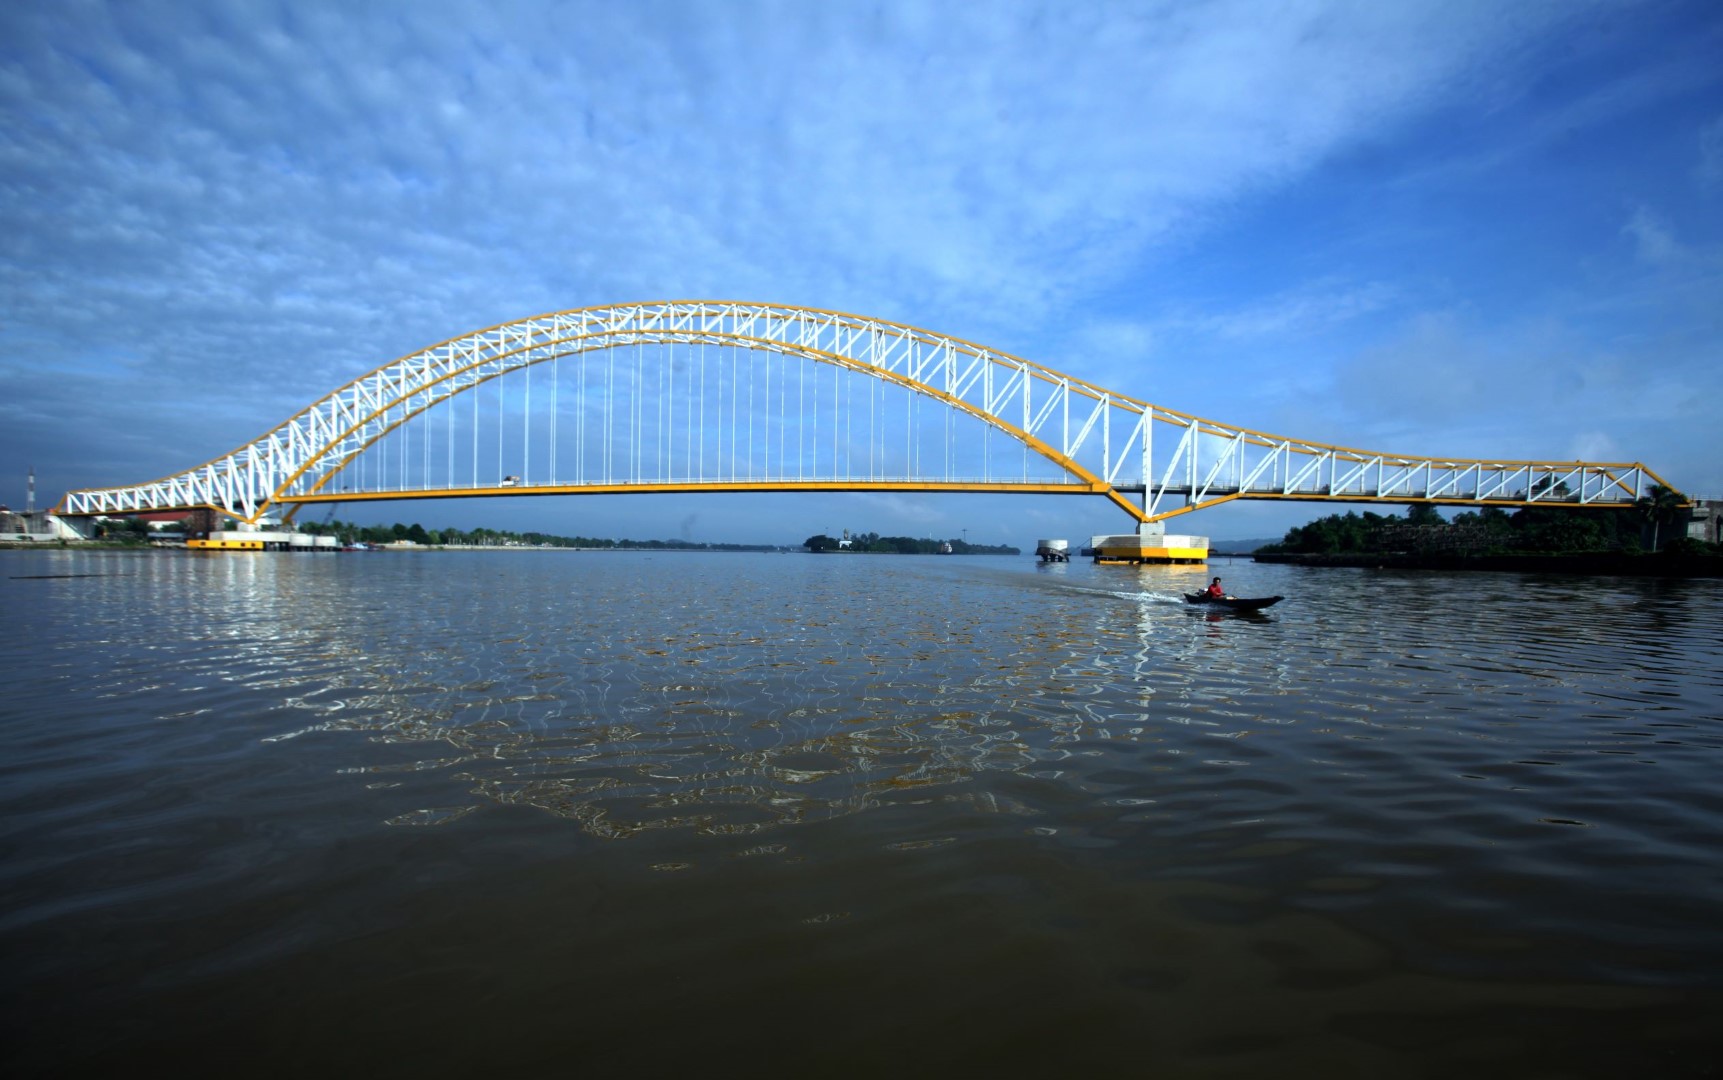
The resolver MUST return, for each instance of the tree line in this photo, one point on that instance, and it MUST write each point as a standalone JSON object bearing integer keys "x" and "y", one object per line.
{"x": 903, "y": 545}
{"x": 350, "y": 533}
{"x": 1492, "y": 530}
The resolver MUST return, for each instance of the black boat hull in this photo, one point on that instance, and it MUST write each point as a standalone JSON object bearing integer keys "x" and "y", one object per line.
{"x": 1233, "y": 603}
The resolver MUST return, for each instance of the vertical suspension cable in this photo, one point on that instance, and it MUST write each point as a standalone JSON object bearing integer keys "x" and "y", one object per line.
{"x": 526, "y": 428}
{"x": 555, "y": 406}
{"x": 949, "y": 434}
{"x": 688, "y": 415}
{"x": 700, "y": 458}
{"x": 735, "y": 431}
{"x": 609, "y": 405}
{"x": 639, "y": 412}
{"x": 915, "y": 461}
{"x": 659, "y": 444}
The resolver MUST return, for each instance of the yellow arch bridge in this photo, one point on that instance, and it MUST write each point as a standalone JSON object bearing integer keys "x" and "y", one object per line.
{"x": 701, "y": 395}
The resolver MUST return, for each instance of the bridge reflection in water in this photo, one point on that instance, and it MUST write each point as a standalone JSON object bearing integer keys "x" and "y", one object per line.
{"x": 723, "y": 719}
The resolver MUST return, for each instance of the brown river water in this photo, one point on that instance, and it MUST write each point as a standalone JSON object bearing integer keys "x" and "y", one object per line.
{"x": 543, "y": 813}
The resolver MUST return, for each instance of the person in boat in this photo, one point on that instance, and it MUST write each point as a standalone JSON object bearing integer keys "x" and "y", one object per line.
{"x": 1215, "y": 591}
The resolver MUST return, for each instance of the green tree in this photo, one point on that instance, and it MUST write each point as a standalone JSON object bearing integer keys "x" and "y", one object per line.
{"x": 820, "y": 542}
{"x": 1549, "y": 484}
{"x": 1660, "y": 506}
{"x": 1493, "y": 518}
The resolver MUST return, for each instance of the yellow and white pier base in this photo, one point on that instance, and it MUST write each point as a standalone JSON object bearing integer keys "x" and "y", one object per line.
{"x": 1150, "y": 544}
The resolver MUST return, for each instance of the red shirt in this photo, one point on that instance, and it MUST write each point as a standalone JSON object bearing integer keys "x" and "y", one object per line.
{"x": 1216, "y": 590}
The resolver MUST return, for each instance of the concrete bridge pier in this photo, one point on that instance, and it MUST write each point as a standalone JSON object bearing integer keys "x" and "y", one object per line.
{"x": 1151, "y": 543}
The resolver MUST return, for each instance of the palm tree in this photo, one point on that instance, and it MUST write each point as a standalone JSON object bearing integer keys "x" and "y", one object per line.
{"x": 1659, "y": 507}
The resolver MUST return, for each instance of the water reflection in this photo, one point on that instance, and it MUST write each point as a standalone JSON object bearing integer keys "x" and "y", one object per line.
{"x": 1392, "y": 799}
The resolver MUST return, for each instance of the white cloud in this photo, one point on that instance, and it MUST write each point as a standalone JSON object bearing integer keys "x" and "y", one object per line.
{"x": 1653, "y": 242}
{"x": 1311, "y": 307}
{"x": 995, "y": 157}
{"x": 1594, "y": 446}
{"x": 1711, "y": 153}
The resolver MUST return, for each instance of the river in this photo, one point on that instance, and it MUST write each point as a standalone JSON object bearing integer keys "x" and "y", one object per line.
{"x": 530, "y": 813}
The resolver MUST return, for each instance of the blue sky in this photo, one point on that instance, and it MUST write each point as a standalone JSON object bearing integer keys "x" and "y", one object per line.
{"x": 1448, "y": 228}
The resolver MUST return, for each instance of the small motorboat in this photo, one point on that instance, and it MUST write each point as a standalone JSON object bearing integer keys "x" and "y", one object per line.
{"x": 1233, "y": 603}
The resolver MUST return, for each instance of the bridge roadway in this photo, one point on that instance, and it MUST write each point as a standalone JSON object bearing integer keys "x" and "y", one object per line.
{"x": 702, "y": 396}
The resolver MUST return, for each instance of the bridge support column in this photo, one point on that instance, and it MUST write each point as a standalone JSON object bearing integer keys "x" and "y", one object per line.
{"x": 79, "y": 525}
{"x": 1151, "y": 544}
{"x": 202, "y": 522}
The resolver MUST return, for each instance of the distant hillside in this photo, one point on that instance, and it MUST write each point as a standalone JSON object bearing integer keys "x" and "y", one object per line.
{"x": 1237, "y": 547}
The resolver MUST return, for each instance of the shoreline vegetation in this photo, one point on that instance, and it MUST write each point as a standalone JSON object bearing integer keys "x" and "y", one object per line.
{"x": 872, "y": 543}
{"x": 132, "y": 534}
{"x": 1537, "y": 539}
{"x": 1661, "y": 564}
{"x": 465, "y": 539}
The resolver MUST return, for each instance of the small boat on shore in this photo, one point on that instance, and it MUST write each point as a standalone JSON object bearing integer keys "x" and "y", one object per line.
{"x": 1233, "y": 603}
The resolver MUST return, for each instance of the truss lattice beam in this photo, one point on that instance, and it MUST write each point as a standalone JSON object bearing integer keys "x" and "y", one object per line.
{"x": 1067, "y": 422}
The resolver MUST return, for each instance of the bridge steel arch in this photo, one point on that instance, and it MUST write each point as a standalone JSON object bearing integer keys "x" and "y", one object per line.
{"x": 1152, "y": 462}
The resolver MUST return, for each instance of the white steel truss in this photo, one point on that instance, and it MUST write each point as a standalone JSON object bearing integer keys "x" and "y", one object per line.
{"x": 1098, "y": 441}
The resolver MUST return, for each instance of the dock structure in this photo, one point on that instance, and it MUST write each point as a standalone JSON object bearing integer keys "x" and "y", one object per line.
{"x": 263, "y": 540}
{"x": 1053, "y": 550}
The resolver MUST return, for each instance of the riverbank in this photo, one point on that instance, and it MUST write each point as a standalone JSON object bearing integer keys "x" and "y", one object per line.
{"x": 1662, "y": 564}
{"x": 78, "y": 545}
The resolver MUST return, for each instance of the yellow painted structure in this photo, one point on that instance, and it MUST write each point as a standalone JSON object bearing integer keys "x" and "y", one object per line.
{"x": 1153, "y": 463}
{"x": 225, "y": 544}
{"x": 1150, "y": 548}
